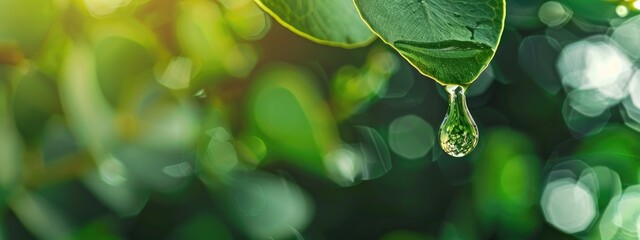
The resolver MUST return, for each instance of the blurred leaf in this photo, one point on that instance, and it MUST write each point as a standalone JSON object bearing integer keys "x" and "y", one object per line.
{"x": 219, "y": 154}
{"x": 39, "y": 216}
{"x": 10, "y": 149}
{"x": 202, "y": 34}
{"x": 35, "y": 99}
{"x": 451, "y": 42}
{"x": 125, "y": 199}
{"x": 451, "y": 232}
{"x": 150, "y": 168}
{"x": 157, "y": 134}
{"x": 507, "y": 181}
{"x": 376, "y": 160}
{"x": 135, "y": 32}
{"x": 160, "y": 120}
{"x": 330, "y": 22}
{"x": 205, "y": 38}
{"x": 614, "y": 140}
{"x": 405, "y": 235}
{"x": 25, "y": 23}
{"x": 122, "y": 65}
{"x": 252, "y": 148}
{"x": 87, "y": 110}
{"x": 96, "y": 230}
{"x": 354, "y": 88}
{"x": 48, "y": 62}
{"x": 294, "y": 119}
{"x": 202, "y": 227}
{"x": 240, "y": 60}
{"x": 92, "y": 120}
{"x": 615, "y": 147}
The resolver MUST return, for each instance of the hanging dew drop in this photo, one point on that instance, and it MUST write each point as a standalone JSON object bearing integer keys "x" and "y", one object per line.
{"x": 458, "y": 132}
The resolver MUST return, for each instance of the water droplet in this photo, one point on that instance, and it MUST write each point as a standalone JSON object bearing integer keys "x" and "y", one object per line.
{"x": 458, "y": 132}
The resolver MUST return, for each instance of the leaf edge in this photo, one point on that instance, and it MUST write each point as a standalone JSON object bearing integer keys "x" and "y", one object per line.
{"x": 317, "y": 40}
{"x": 504, "y": 16}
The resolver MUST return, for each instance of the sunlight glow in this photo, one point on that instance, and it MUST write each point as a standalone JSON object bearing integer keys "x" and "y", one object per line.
{"x": 112, "y": 171}
{"x": 634, "y": 89}
{"x": 554, "y": 14}
{"x": 568, "y": 206}
{"x": 178, "y": 73}
{"x": 411, "y": 137}
{"x": 620, "y": 219}
{"x": 269, "y": 206}
{"x": 343, "y": 166}
{"x": 626, "y": 36}
{"x": 631, "y": 110}
{"x": 597, "y": 73}
{"x": 622, "y": 11}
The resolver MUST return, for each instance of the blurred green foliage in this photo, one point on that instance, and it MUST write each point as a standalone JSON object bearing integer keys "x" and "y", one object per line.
{"x": 206, "y": 119}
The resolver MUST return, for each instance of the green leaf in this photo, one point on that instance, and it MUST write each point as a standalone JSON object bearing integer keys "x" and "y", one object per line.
{"x": 292, "y": 117}
{"x": 449, "y": 41}
{"x": 329, "y": 22}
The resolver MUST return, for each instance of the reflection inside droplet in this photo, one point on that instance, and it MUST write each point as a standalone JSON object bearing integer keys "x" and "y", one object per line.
{"x": 458, "y": 132}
